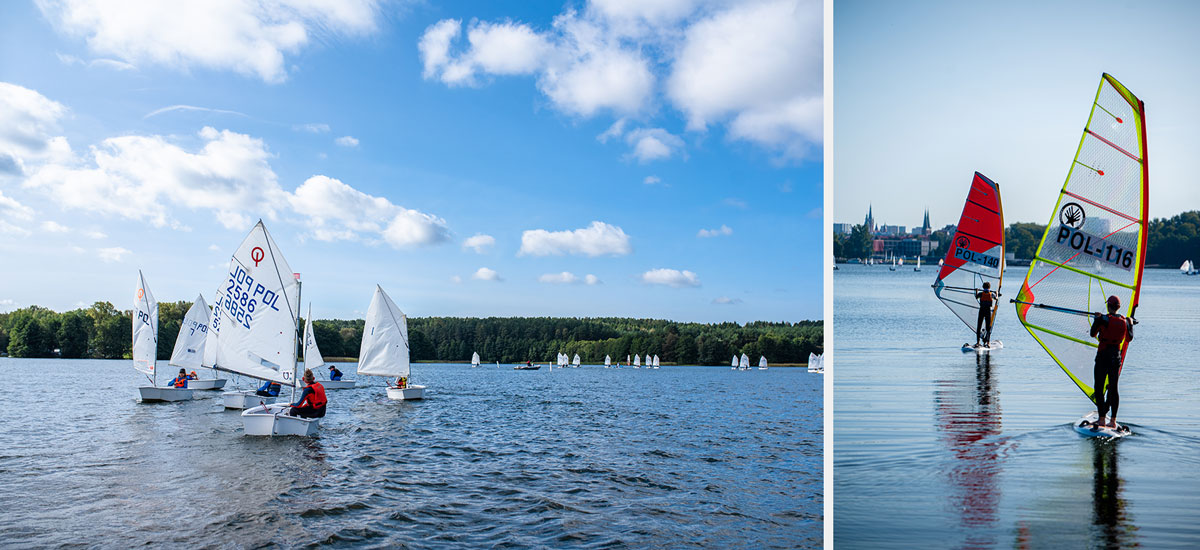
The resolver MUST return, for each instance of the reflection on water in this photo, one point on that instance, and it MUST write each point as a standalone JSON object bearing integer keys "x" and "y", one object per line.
{"x": 968, "y": 415}
{"x": 978, "y": 451}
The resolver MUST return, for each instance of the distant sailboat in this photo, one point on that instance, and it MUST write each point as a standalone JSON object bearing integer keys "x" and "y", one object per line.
{"x": 1188, "y": 268}
{"x": 734, "y": 363}
{"x": 145, "y": 346}
{"x": 745, "y": 363}
{"x": 893, "y": 266}
{"x": 816, "y": 363}
{"x": 637, "y": 361}
{"x": 918, "y": 268}
{"x": 385, "y": 350}
{"x": 575, "y": 361}
{"x": 313, "y": 360}
{"x": 607, "y": 362}
{"x": 474, "y": 359}
{"x": 189, "y": 345}
{"x": 656, "y": 362}
{"x": 762, "y": 362}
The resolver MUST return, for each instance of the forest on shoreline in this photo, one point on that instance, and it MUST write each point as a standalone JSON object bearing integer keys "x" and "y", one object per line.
{"x": 101, "y": 331}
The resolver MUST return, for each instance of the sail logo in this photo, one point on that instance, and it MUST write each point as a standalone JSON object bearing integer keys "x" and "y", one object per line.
{"x": 1097, "y": 247}
{"x": 257, "y": 255}
{"x": 1072, "y": 215}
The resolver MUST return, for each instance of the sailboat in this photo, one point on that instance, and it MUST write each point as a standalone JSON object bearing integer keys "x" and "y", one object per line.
{"x": 637, "y": 361}
{"x": 734, "y": 363}
{"x": 189, "y": 345}
{"x": 384, "y": 350}
{"x": 816, "y": 363}
{"x": 893, "y": 266}
{"x": 313, "y": 360}
{"x": 1101, "y": 214}
{"x": 474, "y": 359}
{"x": 762, "y": 362}
{"x": 575, "y": 361}
{"x": 656, "y": 362}
{"x": 1188, "y": 268}
{"x": 975, "y": 257}
{"x": 745, "y": 362}
{"x": 607, "y": 362}
{"x": 918, "y": 268}
{"x": 145, "y": 346}
{"x": 260, "y": 336}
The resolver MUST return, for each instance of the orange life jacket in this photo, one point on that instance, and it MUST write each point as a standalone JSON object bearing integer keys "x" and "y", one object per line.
{"x": 985, "y": 298}
{"x": 1113, "y": 332}
{"x": 193, "y": 376}
{"x": 180, "y": 381}
{"x": 317, "y": 399}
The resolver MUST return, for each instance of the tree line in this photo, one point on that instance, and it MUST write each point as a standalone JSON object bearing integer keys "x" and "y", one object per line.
{"x": 1169, "y": 241}
{"x": 104, "y": 332}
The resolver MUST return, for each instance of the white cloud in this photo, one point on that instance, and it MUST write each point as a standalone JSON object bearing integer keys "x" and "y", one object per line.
{"x": 435, "y": 45}
{"x": 213, "y": 247}
{"x": 139, "y": 177}
{"x": 723, "y": 230}
{"x": 615, "y": 131}
{"x": 566, "y": 277}
{"x": 479, "y": 242}
{"x": 312, "y": 127}
{"x": 173, "y": 108}
{"x": 10, "y": 209}
{"x": 93, "y": 234}
{"x": 114, "y": 254}
{"x": 250, "y": 38}
{"x": 337, "y": 211}
{"x": 347, "y": 141}
{"x": 485, "y": 274}
{"x": 671, "y": 277}
{"x": 652, "y": 144}
{"x": 113, "y": 64}
{"x": 455, "y": 279}
{"x": 651, "y": 180}
{"x": 817, "y": 213}
{"x": 53, "y": 227}
{"x": 27, "y": 122}
{"x": 7, "y": 304}
{"x": 736, "y": 203}
{"x": 598, "y": 239}
{"x": 592, "y": 279}
{"x": 759, "y": 64}
{"x": 494, "y": 48}
{"x": 725, "y": 300}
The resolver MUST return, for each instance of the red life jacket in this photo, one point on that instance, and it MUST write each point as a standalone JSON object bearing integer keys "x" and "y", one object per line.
{"x": 1113, "y": 332}
{"x": 317, "y": 399}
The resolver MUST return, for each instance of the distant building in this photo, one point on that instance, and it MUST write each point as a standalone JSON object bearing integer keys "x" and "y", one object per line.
{"x": 892, "y": 230}
{"x": 870, "y": 220}
{"x": 843, "y": 228}
{"x": 926, "y": 228}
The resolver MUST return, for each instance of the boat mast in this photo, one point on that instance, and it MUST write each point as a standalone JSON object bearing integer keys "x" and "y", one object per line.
{"x": 296, "y": 342}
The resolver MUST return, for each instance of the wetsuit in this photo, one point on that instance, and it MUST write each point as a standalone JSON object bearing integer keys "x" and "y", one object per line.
{"x": 311, "y": 403}
{"x": 984, "y": 322}
{"x": 1113, "y": 330}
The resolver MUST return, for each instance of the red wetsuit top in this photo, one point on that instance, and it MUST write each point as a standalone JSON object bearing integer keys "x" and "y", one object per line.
{"x": 1113, "y": 330}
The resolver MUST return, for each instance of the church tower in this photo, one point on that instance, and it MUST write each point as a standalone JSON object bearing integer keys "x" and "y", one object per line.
{"x": 869, "y": 222}
{"x": 926, "y": 229}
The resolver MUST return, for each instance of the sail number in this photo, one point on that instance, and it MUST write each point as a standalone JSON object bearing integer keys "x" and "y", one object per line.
{"x": 1096, "y": 247}
{"x": 194, "y": 326}
{"x": 977, "y": 257}
{"x": 143, "y": 317}
{"x": 243, "y": 296}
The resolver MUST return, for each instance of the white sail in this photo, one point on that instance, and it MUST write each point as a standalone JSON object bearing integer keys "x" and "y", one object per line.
{"x": 475, "y": 359}
{"x": 312, "y": 355}
{"x": 254, "y": 317}
{"x": 145, "y": 327}
{"x": 656, "y": 360}
{"x": 607, "y": 361}
{"x": 384, "y": 349}
{"x": 735, "y": 361}
{"x": 745, "y": 361}
{"x": 762, "y": 361}
{"x": 1186, "y": 267}
{"x": 637, "y": 360}
{"x": 193, "y": 332}
{"x": 575, "y": 360}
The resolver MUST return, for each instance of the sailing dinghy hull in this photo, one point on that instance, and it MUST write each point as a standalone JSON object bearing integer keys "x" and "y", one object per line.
{"x": 212, "y": 384}
{"x": 151, "y": 394}
{"x": 337, "y": 384}
{"x": 270, "y": 420}
{"x": 244, "y": 399}
{"x": 981, "y": 348}
{"x": 406, "y": 394}
{"x": 1084, "y": 427}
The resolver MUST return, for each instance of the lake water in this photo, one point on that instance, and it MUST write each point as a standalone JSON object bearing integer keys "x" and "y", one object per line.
{"x": 575, "y": 458}
{"x": 936, "y": 448}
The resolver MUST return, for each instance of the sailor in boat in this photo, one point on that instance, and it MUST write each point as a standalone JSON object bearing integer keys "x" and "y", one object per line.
{"x": 334, "y": 374}
{"x": 192, "y": 376}
{"x": 312, "y": 399}
{"x": 983, "y": 325}
{"x": 269, "y": 389}
{"x": 402, "y": 382}
{"x": 179, "y": 381}
{"x": 1112, "y": 330}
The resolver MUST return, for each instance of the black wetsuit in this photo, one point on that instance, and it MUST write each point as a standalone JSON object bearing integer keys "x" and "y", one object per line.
{"x": 983, "y": 325}
{"x": 1108, "y": 363}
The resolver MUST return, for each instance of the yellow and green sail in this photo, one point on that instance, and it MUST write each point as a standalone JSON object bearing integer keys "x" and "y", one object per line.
{"x": 1095, "y": 244}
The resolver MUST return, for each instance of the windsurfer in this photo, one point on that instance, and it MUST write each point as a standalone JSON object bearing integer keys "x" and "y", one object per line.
{"x": 1113, "y": 331}
{"x": 983, "y": 325}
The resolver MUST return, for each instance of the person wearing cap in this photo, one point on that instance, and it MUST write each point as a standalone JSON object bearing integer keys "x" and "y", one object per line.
{"x": 983, "y": 325}
{"x": 334, "y": 374}
{"x": 179, "y": 381}
{"x": 1113, "y": 331}
{"x": 312, "y": 399}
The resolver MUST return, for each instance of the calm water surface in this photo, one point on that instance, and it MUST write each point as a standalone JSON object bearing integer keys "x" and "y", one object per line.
{"x": 935, "y": 448}
{"x": 577, "y": 458}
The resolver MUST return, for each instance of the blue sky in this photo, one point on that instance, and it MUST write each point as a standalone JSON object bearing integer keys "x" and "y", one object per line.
{"x": 926, "y": 93}
{"x": 473, "y": 158}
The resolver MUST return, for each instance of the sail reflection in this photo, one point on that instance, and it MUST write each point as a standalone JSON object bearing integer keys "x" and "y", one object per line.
{"x": 968, "y": 417}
